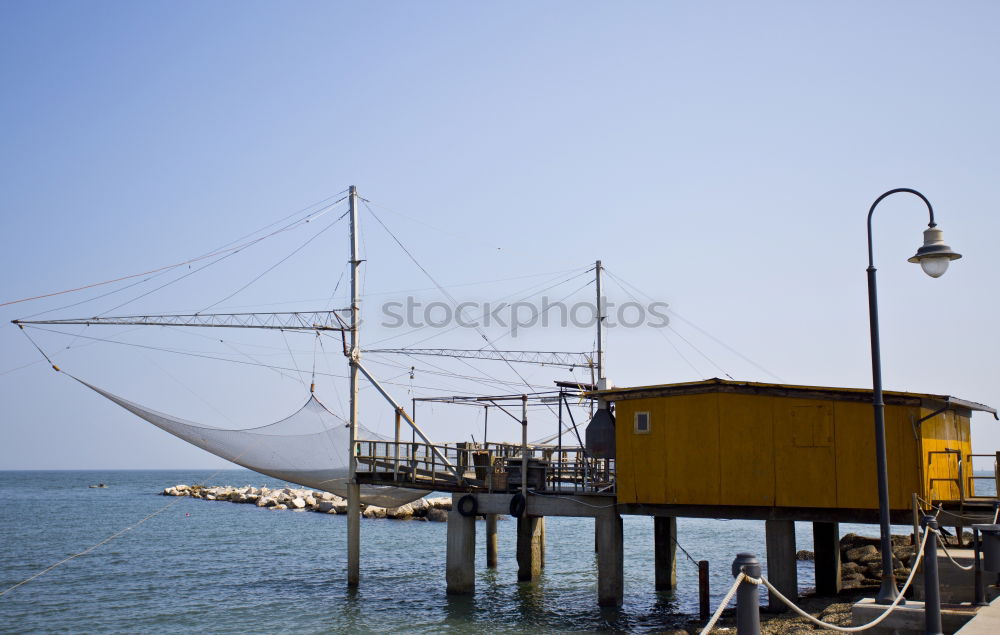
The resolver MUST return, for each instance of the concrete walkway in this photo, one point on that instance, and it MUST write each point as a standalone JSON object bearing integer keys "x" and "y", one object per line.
{"x": 986, "y": 621}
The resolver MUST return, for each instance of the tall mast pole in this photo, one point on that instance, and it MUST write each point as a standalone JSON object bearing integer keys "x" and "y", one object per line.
{"x": 353, "y": 488}
{"x": 600, "y": 326}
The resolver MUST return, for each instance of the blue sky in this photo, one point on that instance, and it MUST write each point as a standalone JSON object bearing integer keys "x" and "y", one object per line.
{"x": 719, "y": 157}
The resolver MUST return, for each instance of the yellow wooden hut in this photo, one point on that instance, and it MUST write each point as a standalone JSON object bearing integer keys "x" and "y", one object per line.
{"x": 731, "y": 443}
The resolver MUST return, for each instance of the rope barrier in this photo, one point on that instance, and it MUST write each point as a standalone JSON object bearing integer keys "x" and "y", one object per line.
{"x": 725, "y": 602}
{"x": 948, "y": 553}
{"x": 940, "y": 510}
{"x": 863, "y": 627}
{"x": 843, "y": 629}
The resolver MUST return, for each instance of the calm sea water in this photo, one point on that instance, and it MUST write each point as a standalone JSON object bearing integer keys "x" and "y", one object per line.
{"x": 217, "y": 567}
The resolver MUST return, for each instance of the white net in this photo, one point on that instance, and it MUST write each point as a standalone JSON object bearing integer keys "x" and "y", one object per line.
{"x": 310, "y": 448}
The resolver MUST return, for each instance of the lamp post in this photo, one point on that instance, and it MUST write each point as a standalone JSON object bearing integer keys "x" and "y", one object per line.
{"x": 933, "y": 258}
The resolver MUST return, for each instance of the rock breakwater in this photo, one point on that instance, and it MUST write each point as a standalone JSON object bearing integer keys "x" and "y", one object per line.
{"x": 428, "y": 509}
{"x": 861, "y": 560}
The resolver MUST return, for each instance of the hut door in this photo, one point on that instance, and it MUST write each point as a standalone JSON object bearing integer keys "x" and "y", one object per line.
{"x": 805, "y": 466}
{"x": 812, "y": 426}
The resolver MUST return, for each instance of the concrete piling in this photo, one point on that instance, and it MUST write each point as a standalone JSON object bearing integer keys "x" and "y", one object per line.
{"x": 782, "y": 568}
{"x": 491, "y": 541}
{"x": 460, "y": 573}
{"x": 826, "y": 546}
{"x": 610, "y": 556}
{"x": 665, "y": 552}
{"x": 530, "y": 547}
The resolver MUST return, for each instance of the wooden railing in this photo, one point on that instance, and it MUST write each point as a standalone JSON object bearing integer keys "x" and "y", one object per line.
{"x": 957, "y": 480}
{"x": 494, "y": 467}
{"x": 972, "y": 478}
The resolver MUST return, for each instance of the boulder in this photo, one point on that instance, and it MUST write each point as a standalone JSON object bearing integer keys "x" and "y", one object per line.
{"x": 280, "y": 506}
{"x": 310, "y": 501}
{"x": 868, "y": 559}
{"x": 851, "y": 580}
{"x": 805, "y": 555}
{"x": 372, "y": 511}
{"x": 440, "y": 502}
{"x": 402, "y": 512}
{"x": 850, "y": 568}
{"x": 297, "y": 503}
{"x": 437, "y": 515}
{"x": 858, "y": 553}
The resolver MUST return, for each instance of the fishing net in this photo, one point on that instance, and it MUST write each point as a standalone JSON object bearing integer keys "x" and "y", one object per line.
{"x": 310, "y": 448}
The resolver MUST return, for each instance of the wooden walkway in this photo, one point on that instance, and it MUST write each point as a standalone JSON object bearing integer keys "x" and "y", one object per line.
{"x": 484, "y": 468}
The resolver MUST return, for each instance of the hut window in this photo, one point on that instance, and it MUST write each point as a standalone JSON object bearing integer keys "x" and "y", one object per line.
{"x": 642, "y": 423}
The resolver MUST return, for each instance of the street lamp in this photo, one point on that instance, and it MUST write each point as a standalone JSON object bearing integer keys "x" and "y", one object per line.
{"x": 933, "y": 257}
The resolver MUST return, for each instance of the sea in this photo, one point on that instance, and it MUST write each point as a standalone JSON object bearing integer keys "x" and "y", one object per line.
{"x": 217, "y": 567}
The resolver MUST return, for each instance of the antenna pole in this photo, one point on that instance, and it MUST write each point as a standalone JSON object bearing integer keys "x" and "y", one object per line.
{"x": 600, "y": 325}
{"x": 353, "y": 488}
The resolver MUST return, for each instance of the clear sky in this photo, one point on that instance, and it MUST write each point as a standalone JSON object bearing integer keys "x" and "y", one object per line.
{"x": 721, "y": 157}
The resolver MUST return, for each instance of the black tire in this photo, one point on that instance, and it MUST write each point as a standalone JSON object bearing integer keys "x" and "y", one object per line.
{"x": 517, "y": 503}
{"x": 468, "y": 505}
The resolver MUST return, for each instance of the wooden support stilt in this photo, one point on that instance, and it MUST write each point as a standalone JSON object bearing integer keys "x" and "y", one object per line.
{"x": 353, "y": 534}
{"x": 782, "y": 569}
{"x": 610, "y": 556}
{"x": 491, "y": 541}
{"x": 665, "y": 552}
{"x": 541, "y": 541}
{"x": 530, "y": 547}
{"x": 460, "y": 565}
{"x": 826, "y": 546}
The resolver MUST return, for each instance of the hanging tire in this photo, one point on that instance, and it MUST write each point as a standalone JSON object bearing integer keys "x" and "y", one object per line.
{"x": 517, "y": 503}
{"x": 468, "y": 505}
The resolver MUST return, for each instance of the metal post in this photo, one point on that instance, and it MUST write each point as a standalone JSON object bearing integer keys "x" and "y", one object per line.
{"x": 524, "y": 445}
{"x": 395, "y": 469}
{"x": 747, "y": 595}
{"x": 353, "y": 489}
{"x": 888, "y": 592}
{"x": 980, "y": 590}
{"x": 916, "y": 519}
{"x": 932, "y": 590}
{"x": 703, "y": 590}
{"x": 559, "y": 456}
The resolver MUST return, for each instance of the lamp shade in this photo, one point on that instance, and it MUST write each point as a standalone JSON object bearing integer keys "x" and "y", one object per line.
{"x": 934, "y": 255}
